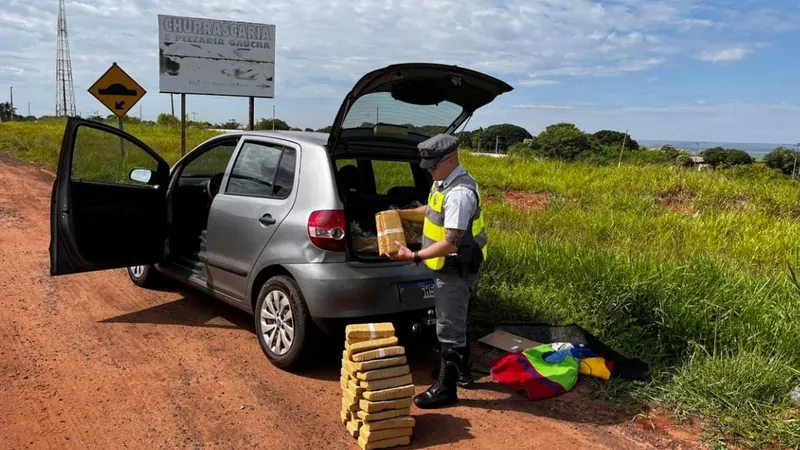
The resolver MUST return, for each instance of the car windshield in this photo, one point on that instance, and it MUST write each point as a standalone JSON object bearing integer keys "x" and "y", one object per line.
{"x": 427, "y": 120}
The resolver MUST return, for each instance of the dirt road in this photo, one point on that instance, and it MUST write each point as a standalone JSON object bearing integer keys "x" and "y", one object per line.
{"x": 91, "y": 361}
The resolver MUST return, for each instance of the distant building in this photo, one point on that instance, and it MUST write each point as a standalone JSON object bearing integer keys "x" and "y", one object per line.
{"x": 700, "y": 163}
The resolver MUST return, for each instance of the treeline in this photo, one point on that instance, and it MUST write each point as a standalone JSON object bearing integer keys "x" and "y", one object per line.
{"x": 566, "y": 142}
{"x": 561, "y": 141}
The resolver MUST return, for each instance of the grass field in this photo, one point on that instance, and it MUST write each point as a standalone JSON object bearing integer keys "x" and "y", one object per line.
{"x": 690, "y": 271}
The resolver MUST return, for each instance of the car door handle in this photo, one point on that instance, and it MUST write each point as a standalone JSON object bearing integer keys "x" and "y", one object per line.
{"x": 266, "y": 219}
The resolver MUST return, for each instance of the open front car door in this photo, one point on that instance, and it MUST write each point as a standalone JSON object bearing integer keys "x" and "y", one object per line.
{"x": 108, "y": 205}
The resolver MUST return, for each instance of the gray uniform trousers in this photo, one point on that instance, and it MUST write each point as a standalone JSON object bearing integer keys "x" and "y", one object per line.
{"x": 451, "y": 298}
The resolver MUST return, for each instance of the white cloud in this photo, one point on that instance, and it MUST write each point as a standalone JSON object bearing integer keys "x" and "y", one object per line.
{"x": 531, "y": 82}
{"x": 542, "y": 106}
{"x": 324, "y": 46}
{"x": 724, "y": 54}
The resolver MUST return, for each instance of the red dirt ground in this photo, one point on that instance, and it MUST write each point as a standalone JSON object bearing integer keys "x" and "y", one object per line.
{"x": 532, "y": 201}
{"x": 91, "y": 361}
{"x": 677, "y": 201}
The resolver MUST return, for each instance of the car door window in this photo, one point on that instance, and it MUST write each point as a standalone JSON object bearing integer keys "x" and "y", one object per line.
{"x": 211, "y": 162}
{"x": 262, "y": 170}
{"x": 102, "y": 157}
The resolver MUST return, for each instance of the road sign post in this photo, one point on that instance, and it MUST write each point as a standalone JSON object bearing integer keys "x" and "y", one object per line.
{"x": 119, "y": 93}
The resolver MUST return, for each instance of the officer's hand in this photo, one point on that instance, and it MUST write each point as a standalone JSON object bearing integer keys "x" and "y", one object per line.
{"x": 403, "y": 253}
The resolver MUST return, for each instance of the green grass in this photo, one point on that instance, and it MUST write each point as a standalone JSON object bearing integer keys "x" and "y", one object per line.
{"x": 700, "y": 289}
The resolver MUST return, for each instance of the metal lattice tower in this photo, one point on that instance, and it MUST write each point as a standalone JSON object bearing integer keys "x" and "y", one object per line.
{"x": 65, "y": 95}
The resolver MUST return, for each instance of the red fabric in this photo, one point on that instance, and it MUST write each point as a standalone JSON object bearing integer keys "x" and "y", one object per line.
{"x": 515, "y": 371}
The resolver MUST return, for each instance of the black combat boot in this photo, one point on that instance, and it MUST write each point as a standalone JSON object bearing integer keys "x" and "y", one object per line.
{"x": 462, "y": 364}
{"x": 443, "y": 391}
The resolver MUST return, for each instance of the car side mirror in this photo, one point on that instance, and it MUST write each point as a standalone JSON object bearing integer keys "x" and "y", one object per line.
{"x": 141, "y": 175}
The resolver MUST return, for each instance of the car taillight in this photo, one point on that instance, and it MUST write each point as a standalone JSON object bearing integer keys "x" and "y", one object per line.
{"x": 326, "y": 230}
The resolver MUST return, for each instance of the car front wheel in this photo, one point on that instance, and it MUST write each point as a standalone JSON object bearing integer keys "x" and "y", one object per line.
{"x": 283, "y": 325}
{"x": 145, "y": 276}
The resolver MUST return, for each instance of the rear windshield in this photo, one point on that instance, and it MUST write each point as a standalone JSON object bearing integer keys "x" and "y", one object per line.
{"x": 427, "y": 120}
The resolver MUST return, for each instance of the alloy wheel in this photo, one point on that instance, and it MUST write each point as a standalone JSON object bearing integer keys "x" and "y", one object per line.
{"x": 277, "y": 322}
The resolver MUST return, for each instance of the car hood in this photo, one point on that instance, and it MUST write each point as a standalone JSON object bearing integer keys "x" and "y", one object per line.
{"x": 411, "y": 94}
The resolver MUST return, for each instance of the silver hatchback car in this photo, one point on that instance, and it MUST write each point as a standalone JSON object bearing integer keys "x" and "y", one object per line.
{"x": 272, "y": 222}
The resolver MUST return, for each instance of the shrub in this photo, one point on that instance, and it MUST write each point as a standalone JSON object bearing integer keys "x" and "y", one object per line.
{"x": 782, "y": 159}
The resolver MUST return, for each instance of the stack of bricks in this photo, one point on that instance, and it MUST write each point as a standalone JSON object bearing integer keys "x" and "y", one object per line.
{"x": 377, "y": 387}
{"x": 390, "y": 229}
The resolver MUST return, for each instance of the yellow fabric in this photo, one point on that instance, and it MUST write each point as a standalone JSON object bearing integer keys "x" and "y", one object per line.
{"x": 594, "y": 366}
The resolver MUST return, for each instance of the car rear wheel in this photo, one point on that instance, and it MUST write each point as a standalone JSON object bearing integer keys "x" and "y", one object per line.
{"x": 145, "y": 276}
{"x": 285, "y": 332}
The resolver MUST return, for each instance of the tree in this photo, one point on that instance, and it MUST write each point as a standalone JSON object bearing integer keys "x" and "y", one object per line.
{"x": 502, "y": 136}
{"x": 714, "y": 156}
{"x": 613, "y": 138}
{"x": 781, "y": 158}
{"x": 721, "y": 157}
{"x": 167, "y": 119}
{"x": 325, "y": 129}
{"x": 564, "y": 141}
{"x": 266, "y": 124}
{"x": 671, "y": 151}
{"x": 465, "y": 138}
{"x": 231, "y": 124}
{"x": 736, "y": 157}
{"x": 684, "y": 159}
{"x": 6, "y": 112}
{"x": 309, "y": 130}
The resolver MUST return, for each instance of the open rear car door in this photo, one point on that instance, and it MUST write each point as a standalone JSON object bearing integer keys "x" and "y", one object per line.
{"x": 108, "y": 205}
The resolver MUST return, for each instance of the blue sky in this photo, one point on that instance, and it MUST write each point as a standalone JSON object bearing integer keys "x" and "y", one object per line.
{"x": 708, "y": 70}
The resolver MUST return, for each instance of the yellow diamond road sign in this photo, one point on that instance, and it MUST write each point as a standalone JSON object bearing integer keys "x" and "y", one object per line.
{"x": 117, "y": 90}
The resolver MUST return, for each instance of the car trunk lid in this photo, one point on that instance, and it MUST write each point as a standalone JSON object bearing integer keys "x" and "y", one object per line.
{"x": 390, "y": 110}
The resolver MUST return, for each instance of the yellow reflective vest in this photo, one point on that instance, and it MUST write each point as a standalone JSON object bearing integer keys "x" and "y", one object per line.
{"x": 433, "y": 227}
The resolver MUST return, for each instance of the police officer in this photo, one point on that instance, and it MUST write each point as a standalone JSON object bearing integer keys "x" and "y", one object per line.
{"x": 454, "y": 247}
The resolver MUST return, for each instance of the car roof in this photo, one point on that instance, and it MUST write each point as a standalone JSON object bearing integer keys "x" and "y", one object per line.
{"x": 301, "y": 137}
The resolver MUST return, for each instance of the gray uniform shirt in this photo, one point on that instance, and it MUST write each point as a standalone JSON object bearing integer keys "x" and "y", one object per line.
{"x": 460, "y": 204}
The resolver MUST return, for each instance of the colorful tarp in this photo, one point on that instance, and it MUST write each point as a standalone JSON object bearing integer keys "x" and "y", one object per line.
{"x": 548, "y": 370}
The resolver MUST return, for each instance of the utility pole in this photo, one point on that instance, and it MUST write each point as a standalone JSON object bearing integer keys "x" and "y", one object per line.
{"x": 11, "y": 99}
{"x": 273, "y": 117}
{"x": 172, "y": 104}
{"x": 496, "y": 142}
{"x": 794, "y": 167}
{"x": 140, "y": 112}
{"x": 624, "y": 140}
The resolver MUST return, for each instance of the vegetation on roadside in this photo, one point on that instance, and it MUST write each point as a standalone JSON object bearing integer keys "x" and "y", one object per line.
{"x": 691, "y": 271}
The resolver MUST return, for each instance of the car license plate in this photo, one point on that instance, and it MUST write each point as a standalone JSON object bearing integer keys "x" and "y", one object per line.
{"x": 417, "y": 291}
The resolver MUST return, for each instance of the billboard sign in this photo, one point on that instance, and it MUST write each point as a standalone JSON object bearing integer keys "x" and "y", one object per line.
{"x": 216, "y": 57}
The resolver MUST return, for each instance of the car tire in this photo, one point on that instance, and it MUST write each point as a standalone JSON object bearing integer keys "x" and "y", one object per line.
{"x": 145, "y": 276}
{"x": 279, "y": 295}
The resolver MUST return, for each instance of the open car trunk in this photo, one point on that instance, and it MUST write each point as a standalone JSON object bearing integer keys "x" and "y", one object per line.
{"x": 366, "y": 188}
{"x": 380, "y": 122}
{"x": 363, "y": 238}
